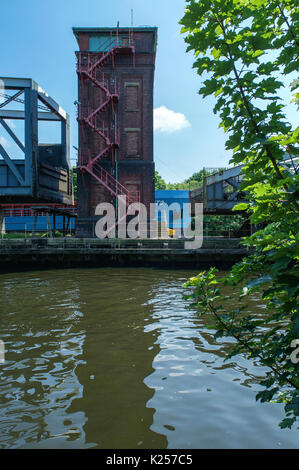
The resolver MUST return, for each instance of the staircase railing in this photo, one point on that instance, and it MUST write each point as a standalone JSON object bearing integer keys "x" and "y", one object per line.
{"x": 88, "y": 69}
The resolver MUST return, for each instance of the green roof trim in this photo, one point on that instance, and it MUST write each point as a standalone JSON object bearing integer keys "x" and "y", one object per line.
{"x": 154, "y": 29}
{"x": 99, "y": 30}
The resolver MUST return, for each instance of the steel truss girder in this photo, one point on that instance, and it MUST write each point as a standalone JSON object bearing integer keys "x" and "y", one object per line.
{"x": 20, "y": 115}
{"x": 12, "y": 98}
{"x": 10, "y": 163}
{"x": 12, "y": 134}
{"x": 215, "y": 197}
{"x": 33, "y": 94}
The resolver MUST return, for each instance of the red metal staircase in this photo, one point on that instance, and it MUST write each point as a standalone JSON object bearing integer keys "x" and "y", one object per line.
{"x": 110, "y": 183}
{"x": 88, "y": 68}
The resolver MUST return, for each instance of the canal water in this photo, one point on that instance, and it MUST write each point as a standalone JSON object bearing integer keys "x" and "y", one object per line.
{"x": 112, "y": 358}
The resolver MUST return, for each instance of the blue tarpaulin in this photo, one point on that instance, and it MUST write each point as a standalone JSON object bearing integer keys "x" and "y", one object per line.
{"x": 25, "y": 223}
{"x": 162, "y": 197}
{"x": 168, "y": 197}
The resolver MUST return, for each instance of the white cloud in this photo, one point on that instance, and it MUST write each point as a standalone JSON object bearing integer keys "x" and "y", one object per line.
{"x": 169, "y": 121}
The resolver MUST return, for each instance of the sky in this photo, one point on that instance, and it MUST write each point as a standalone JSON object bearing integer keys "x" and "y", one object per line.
{"x": 36, "y": 41}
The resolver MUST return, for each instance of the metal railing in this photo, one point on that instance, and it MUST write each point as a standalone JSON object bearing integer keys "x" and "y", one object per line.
{"x": 27, "y": 210}
{"x": 213, "y": 170}
{"x": 113, "y": 185}
{"x": 88, "y": 61}
{"x": 87, "y": 65}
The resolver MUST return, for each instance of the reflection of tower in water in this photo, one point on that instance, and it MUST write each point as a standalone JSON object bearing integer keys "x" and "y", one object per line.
{"x": 117, "y": 357}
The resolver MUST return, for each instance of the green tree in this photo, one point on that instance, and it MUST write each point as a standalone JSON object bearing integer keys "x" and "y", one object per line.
{"x": 193, "y": 182}
{"x": 196, "y": 180}
{"x": 248, "y": 50}
{"x": 178, "y": 186}
{"x": 159, "y": 182}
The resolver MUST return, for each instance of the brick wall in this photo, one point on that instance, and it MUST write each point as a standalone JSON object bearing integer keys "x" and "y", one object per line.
{"x": 134, "y": 115}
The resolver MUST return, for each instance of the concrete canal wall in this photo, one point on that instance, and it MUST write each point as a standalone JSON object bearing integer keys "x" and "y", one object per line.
{"x": 43, "y": 253}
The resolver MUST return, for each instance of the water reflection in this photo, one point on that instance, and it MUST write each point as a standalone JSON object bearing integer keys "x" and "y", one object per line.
{"x": 40, "y": 325}
{"x": 111, "y": 358}
{"x": 76, "y": 361}
{"x": 203, "y": 401}
{"x": 118, "y": 356}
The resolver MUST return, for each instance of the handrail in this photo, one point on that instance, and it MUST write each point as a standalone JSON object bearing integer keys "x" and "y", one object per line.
{"x": 108, "y": 41}
{"x": 29, "y": 210}
{"x": 112, "y": 137}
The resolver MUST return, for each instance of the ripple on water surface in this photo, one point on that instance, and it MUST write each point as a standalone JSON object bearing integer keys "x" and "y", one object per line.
{"x": 112, "y": 358}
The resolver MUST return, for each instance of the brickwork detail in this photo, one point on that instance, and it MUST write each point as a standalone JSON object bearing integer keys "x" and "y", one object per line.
{"x": 131, "y": 97}
{"x": 130, "y": 162}
{"x": 132, "y": 141}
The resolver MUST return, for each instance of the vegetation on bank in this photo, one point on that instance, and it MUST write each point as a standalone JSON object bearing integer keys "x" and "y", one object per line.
{"x": 214, "y": 225}
{"x": 248, "y": 51}
{"x": 17, "y": 235}
{"x": 193, "y": 182}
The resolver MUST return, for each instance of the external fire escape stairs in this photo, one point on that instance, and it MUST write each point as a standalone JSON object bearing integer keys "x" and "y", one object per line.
{"x": 88, "y": 69}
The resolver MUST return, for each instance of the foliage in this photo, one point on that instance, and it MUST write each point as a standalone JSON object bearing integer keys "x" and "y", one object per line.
{"x": 193, "y": 182}
{"x": 12, "y": 236}
{"x": 159, "y": 182}
{"x": 226, "y": 225}
{"x": 178, "y": 186}
{"x": 249, "y": 49}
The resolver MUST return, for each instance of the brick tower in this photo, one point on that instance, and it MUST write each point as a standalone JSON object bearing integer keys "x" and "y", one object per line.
{"x": 115, "y": 69}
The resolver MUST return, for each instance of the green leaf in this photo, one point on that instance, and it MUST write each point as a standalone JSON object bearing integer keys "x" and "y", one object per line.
{"x": 242, "y": 206}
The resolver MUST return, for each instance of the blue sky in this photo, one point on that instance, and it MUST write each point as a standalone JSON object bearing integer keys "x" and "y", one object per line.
{"x": 36, "y": 41}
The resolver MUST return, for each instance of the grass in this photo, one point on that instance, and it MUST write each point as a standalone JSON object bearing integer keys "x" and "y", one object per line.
{"x": 16, "y": 235}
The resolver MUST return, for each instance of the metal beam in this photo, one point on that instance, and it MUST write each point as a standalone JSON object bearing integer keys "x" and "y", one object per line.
{"x": 20, "y": 191}
{"x": 224, "y": 175}
{"x": 12, "y": 134}
{"x": 12, "y": 166}
{"x": 65, "y": 139}
{"x": 232, "y": 182}
{"x": 25, "y": 179}
{"x": 9, "y": 83}
{"x": 25, "y": 83}
{"x": 48, "y": 101}
{"x": 12, "y": 98}
{"x": 16, "y": 114}
{"x": 232, "y": 196}
{"x": 31, "y": 138}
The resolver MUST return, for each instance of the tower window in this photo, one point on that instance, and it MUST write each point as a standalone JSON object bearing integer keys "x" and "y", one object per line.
{"x": 131, "y": 96}
{"x": 132, "y": 142}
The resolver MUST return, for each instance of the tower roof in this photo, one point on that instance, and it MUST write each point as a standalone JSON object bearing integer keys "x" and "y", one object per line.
{"x": 139, "y": 29}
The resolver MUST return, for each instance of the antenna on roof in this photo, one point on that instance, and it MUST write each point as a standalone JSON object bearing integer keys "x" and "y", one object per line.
{"x": 132, "y": 17}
